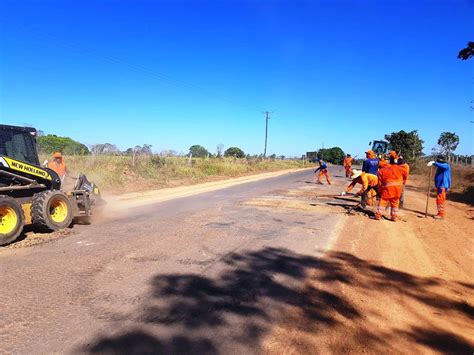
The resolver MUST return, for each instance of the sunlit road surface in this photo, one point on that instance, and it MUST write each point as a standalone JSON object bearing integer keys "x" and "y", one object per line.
{"x": 210, "y": 273}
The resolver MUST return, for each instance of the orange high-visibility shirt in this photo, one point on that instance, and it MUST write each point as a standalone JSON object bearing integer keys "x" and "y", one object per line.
{"x": 391, "y": 179}
{"x": 348, "y": 161}
{"x": 365, "y": 180}
{"x": 406, "y": 168}
{"x": 383, "y": 163}
{"x": 58, "y": 168}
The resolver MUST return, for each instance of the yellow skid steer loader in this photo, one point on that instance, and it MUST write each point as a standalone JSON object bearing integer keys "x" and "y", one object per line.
{"x": 31, "y": 194}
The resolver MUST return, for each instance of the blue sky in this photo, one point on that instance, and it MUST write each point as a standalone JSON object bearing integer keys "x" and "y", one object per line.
{"x": 177, "y": 73}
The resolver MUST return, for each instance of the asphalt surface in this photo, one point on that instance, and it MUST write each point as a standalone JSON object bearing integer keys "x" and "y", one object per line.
{"x": 201, "y": 274}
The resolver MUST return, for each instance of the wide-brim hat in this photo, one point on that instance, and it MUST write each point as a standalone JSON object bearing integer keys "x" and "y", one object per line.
{"x": 355, "y": 173}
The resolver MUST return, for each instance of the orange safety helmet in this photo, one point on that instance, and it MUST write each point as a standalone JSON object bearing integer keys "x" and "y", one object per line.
{"x": 370, "y": 154}
{"x": 393, "y": 154}
{"x": 57, "y": 155}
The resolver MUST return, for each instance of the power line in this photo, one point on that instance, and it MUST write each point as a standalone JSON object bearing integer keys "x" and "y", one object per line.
{"x": 267, "y": 117}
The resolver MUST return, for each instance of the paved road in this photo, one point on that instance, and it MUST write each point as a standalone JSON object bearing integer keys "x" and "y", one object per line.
{"x": 207, "y": 273}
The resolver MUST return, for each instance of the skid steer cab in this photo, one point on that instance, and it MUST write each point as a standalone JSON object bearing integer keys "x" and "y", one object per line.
{"x": 31, "y": 194}
{"x": 380, "y": 148}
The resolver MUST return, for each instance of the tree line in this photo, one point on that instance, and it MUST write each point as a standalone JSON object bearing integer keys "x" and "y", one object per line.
{"x": 50, "y": 143}
{"x": 409, "y": 144}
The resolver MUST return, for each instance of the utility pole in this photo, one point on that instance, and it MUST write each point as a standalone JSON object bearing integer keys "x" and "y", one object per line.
{"x": 267, "y": 117}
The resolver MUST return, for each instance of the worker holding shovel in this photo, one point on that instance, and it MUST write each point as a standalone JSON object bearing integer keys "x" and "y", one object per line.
{"x": 322, "y": 171}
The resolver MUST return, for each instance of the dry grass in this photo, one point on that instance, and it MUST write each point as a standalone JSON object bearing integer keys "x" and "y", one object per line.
{"x": 118, "y": 174}
{"x": 462, "y": 189}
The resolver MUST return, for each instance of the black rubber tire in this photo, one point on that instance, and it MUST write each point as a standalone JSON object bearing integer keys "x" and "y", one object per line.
{"x": 41, "y": 211}
{"x": 7, "y": 201}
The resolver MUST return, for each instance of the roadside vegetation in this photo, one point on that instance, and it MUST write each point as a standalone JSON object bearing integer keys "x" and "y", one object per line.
{"x": 123, "y": 173}
{"x": 138, "y": 168}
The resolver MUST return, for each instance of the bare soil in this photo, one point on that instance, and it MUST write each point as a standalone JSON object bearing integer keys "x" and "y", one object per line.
{"x": 404, "y": 287}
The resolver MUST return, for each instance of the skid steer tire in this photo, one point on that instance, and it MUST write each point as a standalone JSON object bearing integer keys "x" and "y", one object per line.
{"x": 51, "y": 211}
{"x": 12, "y": 219}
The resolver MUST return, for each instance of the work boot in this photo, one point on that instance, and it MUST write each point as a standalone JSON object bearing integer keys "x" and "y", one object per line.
{"x": 438, "y": 216}
{"x": 394, "y": 218}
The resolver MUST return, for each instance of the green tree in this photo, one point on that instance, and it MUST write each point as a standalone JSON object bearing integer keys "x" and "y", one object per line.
{"x": 234, "y": 152}
{"x": 408, "y": 144}
{"x": 448, "y": 142}
{"x": 51, "y": 143}
{"x": 198, "y": 151}
{"x": 468, "y": 52}
{"x": 333, "y": 155}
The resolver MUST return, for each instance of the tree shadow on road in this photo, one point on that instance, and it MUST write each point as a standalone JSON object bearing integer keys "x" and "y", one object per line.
{"x": 258, "y": 287}
{"x": 141, "y": 342}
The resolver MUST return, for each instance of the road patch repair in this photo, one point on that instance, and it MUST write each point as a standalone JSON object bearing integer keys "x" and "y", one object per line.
{"x": 120, "y": 204}
{"x": 137, "y": 199}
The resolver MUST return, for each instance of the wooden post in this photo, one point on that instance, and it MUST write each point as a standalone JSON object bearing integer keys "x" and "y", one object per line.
{"x": 429, "y": 192}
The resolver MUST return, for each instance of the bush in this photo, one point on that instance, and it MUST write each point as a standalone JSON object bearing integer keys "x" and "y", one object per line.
{"x": 198, "y": 151}
{"x": 333, "y": 155}
{"x": 51, "y": 143}
{"x": 409, "y": 144}
{"x": 234, "y": 152}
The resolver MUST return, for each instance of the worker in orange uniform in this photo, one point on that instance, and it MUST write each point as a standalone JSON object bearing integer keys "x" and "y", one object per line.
{"x": 348, "y": 165}
{"x": 382, "y": 164}
{"x": 323, "y": 171}
{"x": 368, "y": 190}
{"x": 58, "y": 165}
{"x": 390, "y": 186}
{"x": 403, "y": 165}
{"x": 392, "y": 158}
{"x": 393, "y": 155}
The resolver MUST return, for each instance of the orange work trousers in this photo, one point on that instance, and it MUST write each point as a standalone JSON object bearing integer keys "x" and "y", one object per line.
{"x": 368, "y": 197}
{"x": 348, "y": 170}
{"x": 383, "y": 203}
{"x": 326, "y": 174}
{"x": 441, "y": 201}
